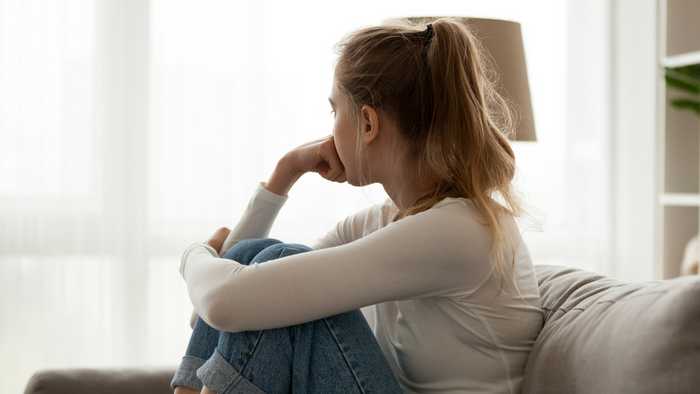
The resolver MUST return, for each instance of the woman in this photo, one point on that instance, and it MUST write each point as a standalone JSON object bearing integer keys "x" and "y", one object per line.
{"x": 457, "y": 303}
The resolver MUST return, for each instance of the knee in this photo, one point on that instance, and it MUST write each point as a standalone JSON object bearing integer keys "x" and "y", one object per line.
{"x": 245, "y": 250}
{"x": 278, "y": 250}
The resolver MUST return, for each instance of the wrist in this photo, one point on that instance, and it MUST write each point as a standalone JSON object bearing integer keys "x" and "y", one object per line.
{"x": 283, "y": 177}
{"x": 288, "y": 165}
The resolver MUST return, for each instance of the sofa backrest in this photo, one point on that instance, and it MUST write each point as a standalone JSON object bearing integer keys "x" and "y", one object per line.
{"x": 603, "y": 335}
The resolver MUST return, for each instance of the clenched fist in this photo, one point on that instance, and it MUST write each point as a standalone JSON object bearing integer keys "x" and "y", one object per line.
{"x": 319, "y": 156}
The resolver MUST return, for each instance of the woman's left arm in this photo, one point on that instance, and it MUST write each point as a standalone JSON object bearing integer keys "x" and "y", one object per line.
{"x": 422, "y": 255}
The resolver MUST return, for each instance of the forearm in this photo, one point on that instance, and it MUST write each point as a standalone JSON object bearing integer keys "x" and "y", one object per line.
{"x": 264, "y": 205}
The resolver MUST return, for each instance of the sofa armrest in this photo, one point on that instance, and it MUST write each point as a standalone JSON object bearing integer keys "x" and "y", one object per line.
{"x": 103, "y": 381}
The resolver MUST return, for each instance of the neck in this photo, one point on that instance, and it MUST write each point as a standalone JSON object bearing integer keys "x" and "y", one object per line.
{"x": 406, "y": 187}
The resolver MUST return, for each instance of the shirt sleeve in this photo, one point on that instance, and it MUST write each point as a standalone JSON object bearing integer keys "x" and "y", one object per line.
{"x": 333, "y": 237}
{"x": 354, "y": 226}
{"x": 257, "y": 218}
{"x": 422, "y": 255}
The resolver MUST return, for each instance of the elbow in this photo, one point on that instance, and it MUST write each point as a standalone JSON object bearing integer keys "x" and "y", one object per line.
{"x": 218, "y": 314}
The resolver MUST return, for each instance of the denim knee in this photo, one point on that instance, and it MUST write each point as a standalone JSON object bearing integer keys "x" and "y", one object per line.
{"x": 244, "y": 250}
{"x": 278, "y": 250}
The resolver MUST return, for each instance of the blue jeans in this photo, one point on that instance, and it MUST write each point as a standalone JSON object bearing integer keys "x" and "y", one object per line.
{"x": 336, "y": 354}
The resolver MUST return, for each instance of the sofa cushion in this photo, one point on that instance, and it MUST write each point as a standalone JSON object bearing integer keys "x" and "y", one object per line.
{"x": 603, "y": 335}
{"x": 101, "y": 380}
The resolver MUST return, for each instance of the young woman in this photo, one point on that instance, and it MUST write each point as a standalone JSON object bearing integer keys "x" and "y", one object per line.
{"x": 457, "y": 303}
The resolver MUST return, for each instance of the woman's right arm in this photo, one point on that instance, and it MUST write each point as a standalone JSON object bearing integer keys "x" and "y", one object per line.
{"x": 262, "y": 209}
{"x": 316, "y": 156}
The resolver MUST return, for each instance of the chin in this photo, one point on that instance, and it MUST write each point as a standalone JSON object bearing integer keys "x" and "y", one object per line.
{"x": 352, "y": 181}
{"x": 357, "y": 183}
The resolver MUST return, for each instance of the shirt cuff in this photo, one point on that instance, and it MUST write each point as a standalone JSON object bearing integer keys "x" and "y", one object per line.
{"x": 262, "y": 192}
{"x": 198, "y": 247}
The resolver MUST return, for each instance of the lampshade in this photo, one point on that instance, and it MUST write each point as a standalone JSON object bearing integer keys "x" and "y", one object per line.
{"x": 503, "y": 40}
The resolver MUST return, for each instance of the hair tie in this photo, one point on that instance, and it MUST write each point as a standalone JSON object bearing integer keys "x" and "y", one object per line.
{"x": 429, "y": 32}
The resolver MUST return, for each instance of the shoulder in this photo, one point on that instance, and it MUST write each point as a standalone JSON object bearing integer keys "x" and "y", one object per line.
{"x": 356, "y": 225}
{"x": 464, "y": 212}
{"x": 445, "y": 242}
{"x": 460, "y": 221}
{"x": 458, "y": 228}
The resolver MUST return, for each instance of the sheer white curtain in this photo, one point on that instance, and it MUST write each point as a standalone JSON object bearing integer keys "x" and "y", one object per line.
{"x": 129, "y": 129}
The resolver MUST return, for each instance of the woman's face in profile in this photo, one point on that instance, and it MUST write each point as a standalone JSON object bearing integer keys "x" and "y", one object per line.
{"x": 344, "y": 135}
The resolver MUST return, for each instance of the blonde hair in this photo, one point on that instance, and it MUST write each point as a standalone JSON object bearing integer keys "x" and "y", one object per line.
{"x": 442, "y": 95}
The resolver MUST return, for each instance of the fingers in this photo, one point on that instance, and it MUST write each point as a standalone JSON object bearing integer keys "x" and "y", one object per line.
{"x": 222, "y": 232}
{"x": 217, "y": 240}
{"x": 330, "y": 155}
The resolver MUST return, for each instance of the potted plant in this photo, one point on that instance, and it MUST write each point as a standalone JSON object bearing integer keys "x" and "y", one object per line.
{"x": 686, "y": 81}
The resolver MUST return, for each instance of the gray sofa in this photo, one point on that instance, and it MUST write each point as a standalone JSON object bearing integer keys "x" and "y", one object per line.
{"x": 600, "y": 336}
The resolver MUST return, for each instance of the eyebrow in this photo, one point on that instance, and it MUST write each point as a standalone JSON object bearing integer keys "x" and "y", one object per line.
{"x": 331, "y": 101}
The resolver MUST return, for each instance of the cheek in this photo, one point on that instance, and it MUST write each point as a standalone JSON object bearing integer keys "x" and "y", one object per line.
{"x": 341, "y": 147}
{"x": 344, "y": 144}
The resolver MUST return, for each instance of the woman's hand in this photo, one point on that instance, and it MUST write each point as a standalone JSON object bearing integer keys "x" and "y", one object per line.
{"x": 217, "y": 240}
{"x": 319, "y": 156}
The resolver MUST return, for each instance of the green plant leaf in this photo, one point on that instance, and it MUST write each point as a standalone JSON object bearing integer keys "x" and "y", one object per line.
{"x": 687, "y": 103}
{"x": 686, "y": 85}
{"x": 683, "y": 78}
{"x": 687, "y": 80}
{"x": 692, "y": 71}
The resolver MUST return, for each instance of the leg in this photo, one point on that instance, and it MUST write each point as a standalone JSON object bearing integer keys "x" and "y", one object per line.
{"x": 205, "y": 338}
{"x": 337, "y": 354}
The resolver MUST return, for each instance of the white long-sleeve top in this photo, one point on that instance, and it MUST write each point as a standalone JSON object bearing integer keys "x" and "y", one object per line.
{"x": 439, "y": 320}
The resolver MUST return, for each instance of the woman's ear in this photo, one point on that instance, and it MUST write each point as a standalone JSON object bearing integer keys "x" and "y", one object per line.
{"x": 370, "y": 123}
